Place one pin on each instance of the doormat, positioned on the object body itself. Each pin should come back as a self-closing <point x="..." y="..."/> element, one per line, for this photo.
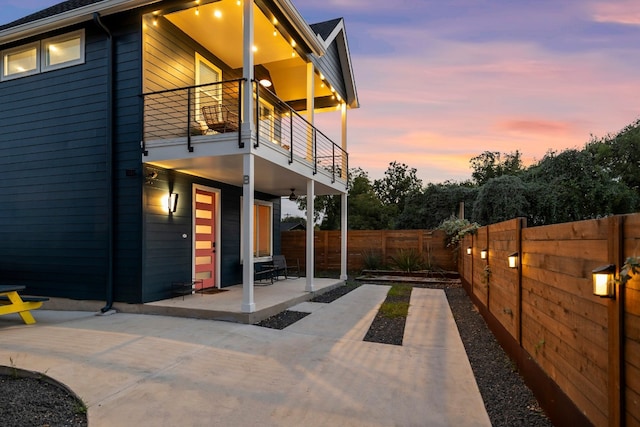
<point x="211" y="291"/>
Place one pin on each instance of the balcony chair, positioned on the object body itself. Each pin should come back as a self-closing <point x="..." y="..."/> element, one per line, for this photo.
<point x="219" y="118"/>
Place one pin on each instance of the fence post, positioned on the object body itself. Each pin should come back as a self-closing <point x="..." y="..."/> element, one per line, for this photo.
<point x="615" y="311"/>
<point x="519" y="225"/>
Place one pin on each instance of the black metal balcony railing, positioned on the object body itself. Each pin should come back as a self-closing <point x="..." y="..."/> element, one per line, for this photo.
<point x="216" y="108"/>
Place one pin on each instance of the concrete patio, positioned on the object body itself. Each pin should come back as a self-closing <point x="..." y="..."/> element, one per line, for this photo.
<point x="150" y="370"/>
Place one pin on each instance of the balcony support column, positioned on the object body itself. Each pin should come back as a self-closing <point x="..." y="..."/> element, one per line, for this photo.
<point x="248" y="186"/>
<point x="343" y="110"/>
<point x="343" y="237"/>
<point x="248" y="121"/>
<point x="310" y="286"/>
<point x="310" y="107"/>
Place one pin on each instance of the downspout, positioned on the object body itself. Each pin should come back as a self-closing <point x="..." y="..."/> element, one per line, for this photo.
<point x="109" y="163"/>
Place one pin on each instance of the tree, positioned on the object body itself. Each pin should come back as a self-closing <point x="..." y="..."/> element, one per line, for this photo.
<point x="573" y="185"/>
<point x="620" y="155"/>
<point x="490" y="165"/>
<point x="365" y="210"/>
<point x="500" y="199"/>
<point x="399" y="183"/>
<point x="436" y="203"/>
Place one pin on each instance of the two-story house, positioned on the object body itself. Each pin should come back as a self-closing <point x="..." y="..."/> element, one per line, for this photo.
<point x="146" y="142"/>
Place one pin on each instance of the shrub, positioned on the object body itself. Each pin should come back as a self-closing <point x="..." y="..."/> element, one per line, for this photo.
<point x="372" y="260"/>
<point x="456" y="229"/>
<point x="408" y="260"/>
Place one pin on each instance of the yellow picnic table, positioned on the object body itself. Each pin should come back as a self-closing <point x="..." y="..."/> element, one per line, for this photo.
<point x="11" y="302"/>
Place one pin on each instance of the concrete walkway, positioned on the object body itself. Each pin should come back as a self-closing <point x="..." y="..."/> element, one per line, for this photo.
<point x="144" y="370"/>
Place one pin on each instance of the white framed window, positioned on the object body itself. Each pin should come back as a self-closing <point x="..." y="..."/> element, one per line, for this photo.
<point x="206" y="73"/>
<point x="266" y="117"/>
<point x="262" y="231"/>
<point x="63" y="51"/>
<point x="21" y="61"/>
<point x="49" y="54"/>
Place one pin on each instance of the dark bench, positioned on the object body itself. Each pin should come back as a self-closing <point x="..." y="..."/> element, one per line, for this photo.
<point x="263" y="272"/>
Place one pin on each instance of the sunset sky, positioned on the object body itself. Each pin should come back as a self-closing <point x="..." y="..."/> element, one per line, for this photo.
<point x="442" y="81"/>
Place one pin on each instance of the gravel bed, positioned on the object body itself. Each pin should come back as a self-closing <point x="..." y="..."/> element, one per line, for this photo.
<point x="32" y="402"/>
<point x="26" y="402"/>
<point x="509" y="402"/>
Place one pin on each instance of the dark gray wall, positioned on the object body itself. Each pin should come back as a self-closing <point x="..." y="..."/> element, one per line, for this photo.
<point x="330" y="66"/>
<point x="167" y="255"/>
<point x="53" y="229"/>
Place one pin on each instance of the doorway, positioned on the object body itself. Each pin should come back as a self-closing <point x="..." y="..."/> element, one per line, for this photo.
<point x="206" y="232"/>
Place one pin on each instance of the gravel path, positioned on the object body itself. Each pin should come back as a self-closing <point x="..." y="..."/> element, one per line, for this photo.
<point x="33" y="402"/>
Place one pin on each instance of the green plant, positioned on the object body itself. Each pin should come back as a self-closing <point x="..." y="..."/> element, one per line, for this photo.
<point x="630" y="266"/>
<point x="80" y="407"/>
<point x="456" y="228"/>
<point x="14" y="370"/>
<point x="486" y="274"/>
<point x="408" y="260"/>
<point x="397" y="302"/>
<point x="372" y="260"/>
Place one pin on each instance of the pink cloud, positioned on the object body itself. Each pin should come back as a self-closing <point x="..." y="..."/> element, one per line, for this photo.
<point x="621" y="12"/>
<point x="535" y="126"/>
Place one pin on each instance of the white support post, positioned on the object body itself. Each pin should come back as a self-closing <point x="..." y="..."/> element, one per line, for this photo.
<point x="343" y="110"/>
<point x="247" y="69"/>
<point x="310" y="105"/>
<point x="343" y="237"/>
<point x="310" y="286"/>
<point x="248" y="305"/>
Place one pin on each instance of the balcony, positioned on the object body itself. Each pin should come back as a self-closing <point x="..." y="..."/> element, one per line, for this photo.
<point x="185" y="124"/>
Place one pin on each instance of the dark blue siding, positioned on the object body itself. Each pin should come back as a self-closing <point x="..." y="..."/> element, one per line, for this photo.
<point x="52" y="156"/>
<point x="167" y="255"/>
<point x="127" y="134"/>
<point x="330" y="66"/>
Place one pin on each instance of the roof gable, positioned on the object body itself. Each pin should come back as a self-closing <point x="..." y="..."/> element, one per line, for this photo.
<point x="333" y="32"/>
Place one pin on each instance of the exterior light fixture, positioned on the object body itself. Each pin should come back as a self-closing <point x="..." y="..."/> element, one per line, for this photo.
<point x="483" y="253"/>
<point x="293" y="196"/>
<point x="469" y="250"/>
<point x="513" y="260"/>
<point x="172" y="202"/>
<point x="265" y="83"/>
<point x="604" y="281"/>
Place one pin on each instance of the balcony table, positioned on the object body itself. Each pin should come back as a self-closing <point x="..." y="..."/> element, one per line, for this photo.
<point x="11" y="302"/>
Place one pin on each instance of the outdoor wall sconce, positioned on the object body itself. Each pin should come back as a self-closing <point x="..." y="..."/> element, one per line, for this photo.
<point x="483" y="253"/>
<point x="172" y="202"/>
<point x="469" y="250"/>
<point x="513" y="260"/>
<point x="604" y="281"/>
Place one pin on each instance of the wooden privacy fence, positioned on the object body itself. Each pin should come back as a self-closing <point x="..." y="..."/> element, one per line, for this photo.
<point x="385" y="243"/>
<point x="579" y="353"/>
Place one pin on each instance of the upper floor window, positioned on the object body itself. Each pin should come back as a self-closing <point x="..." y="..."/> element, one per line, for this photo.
<point x="45" y="55"/>
<point x="63" y="51"/>
<point x="21" y="61"/>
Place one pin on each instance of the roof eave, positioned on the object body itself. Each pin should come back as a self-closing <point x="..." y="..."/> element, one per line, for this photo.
<point x="71" y="17"/>
<point x="315" y="44"/>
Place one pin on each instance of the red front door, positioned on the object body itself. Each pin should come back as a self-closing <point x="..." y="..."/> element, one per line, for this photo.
<point x="205" y="238"/>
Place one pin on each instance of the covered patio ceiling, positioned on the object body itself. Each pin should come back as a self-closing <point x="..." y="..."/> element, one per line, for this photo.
<point x="217" y="26"/>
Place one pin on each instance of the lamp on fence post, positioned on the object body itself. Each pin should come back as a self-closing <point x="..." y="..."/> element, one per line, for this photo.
<point x="469" y="250"/>
<point x="604" y="281"/>
<point x="483" y="253"/>
<point x="513" y="260"/>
